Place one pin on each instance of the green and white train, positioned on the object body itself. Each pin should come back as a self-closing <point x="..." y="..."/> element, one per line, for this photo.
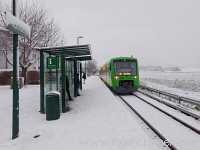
<point x="121" y="74"/>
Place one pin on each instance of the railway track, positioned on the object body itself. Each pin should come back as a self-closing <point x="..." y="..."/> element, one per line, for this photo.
<point x="161" y="136"/>
<point x="170" y="115"/>
<point x="176" y="107"/>
<point x="174" y="131"/>
<point x="177" y="98"/>
<point x="163" y="123"/>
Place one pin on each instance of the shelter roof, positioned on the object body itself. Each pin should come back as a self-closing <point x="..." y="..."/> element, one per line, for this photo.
<point x="76" y="52"/>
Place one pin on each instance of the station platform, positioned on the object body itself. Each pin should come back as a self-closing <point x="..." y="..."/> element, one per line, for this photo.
<point x="97" y="121"/>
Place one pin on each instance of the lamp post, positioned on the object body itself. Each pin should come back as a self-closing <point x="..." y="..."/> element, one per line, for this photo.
<point x="78" y="75"/>
<point x="15" y="120"/>
<point x="77" y="39"/>
<point x="77" y="42"/>
<point x="17" y="27"/>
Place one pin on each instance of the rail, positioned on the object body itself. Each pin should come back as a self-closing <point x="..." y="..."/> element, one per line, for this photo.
<point x="159" y="134"/>
<point x="172" y="96"/>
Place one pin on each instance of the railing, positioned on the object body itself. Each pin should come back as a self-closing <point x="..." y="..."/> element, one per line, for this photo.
<point x="172" y="96"/>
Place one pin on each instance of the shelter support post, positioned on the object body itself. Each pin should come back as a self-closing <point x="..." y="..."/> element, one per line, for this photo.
<point x="81" y="76"/>
<point x="42" y="82"/>
<point x="65" y="105"/>
<point x="85" y="68"/>
<point x="75" y="79"/>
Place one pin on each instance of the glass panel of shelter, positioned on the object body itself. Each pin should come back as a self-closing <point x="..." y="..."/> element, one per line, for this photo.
<point x="53" y="79"/>
<point x="70" y="74"/>
<point x="71" y="66"/>
<point x="51" y="76"/>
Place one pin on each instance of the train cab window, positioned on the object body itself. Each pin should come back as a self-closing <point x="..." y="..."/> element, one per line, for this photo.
<point x="126" y="67"/>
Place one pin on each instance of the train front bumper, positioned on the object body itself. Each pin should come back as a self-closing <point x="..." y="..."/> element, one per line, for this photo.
<point x="125" y="86"/>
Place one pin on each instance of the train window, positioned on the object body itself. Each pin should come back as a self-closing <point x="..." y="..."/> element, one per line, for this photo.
<point x="126" y="67"/>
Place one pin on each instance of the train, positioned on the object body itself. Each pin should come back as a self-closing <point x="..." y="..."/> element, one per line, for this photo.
<point x="121" y="74"/>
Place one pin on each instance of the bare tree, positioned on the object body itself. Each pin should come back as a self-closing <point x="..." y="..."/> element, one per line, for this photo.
<point x="5" y="47"/>
<point x="44" y="32"/>
<point x="92" y="67"/>
<point x="5" y="40"/>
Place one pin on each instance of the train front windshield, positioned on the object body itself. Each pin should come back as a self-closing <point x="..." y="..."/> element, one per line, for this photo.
<point x="126" y="67"/>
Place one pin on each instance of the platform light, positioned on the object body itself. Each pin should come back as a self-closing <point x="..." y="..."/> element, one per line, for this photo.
<point x="16" y="25"/>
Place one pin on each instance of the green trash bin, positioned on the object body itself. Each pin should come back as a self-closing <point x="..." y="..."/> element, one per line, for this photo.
<point x="52" y="105"/>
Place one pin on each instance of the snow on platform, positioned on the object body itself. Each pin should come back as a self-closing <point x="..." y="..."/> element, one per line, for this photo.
<point x="96" y="121"/>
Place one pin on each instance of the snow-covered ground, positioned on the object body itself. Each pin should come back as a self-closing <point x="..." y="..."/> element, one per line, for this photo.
<point x="185" y="82"/>
<point x="97" y="121"/>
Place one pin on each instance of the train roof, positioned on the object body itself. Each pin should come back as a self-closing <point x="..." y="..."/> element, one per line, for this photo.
<point x="120" y="58"/>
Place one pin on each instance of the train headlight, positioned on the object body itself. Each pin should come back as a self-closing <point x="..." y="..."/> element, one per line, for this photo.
<point x="116" y="77"/>
<point x="135" y="77"/>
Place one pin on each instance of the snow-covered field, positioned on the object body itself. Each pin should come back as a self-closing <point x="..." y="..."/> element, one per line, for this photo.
<point x="96" y="121"/>
<point x="186" y="82"/>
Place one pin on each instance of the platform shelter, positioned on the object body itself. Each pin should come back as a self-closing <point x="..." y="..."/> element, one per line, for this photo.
<point x="55" y="64"/>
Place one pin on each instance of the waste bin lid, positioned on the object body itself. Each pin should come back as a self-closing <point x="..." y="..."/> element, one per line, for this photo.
<point x="53" y="93"/>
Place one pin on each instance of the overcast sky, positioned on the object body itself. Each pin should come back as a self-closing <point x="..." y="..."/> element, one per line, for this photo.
<point x="157" y="32"/>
